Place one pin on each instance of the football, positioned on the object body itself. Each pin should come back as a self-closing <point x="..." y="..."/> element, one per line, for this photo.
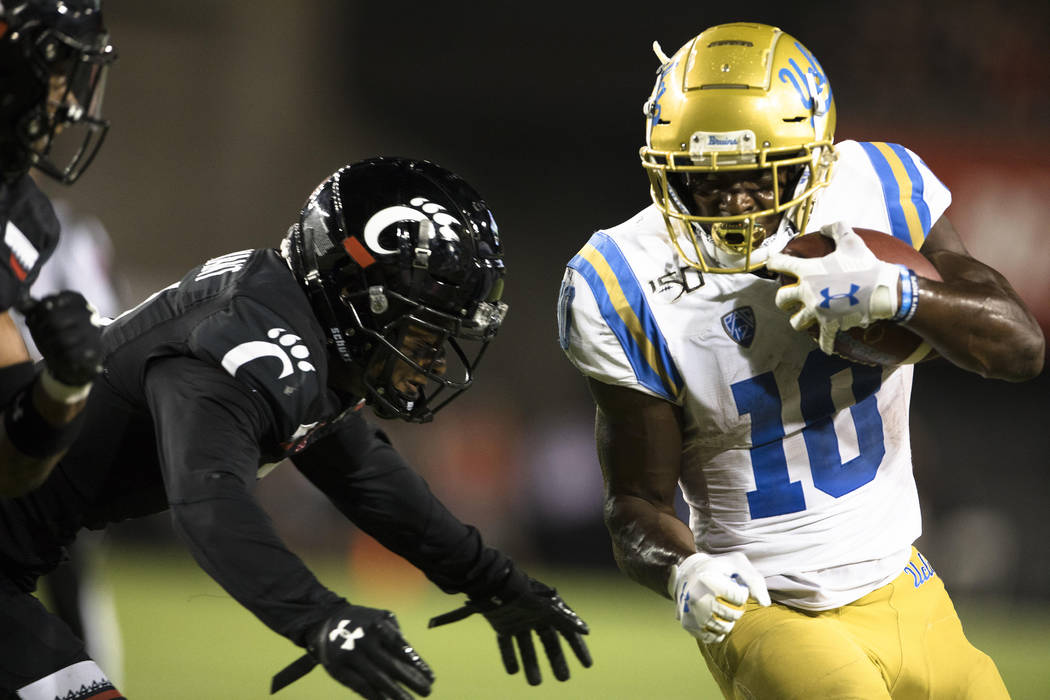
<point x="882" y="343"/>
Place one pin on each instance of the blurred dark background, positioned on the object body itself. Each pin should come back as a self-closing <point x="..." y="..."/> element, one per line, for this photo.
<point x="226" y="114"/>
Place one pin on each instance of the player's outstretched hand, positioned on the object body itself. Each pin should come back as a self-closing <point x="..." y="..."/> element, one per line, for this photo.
<point x="68" y="332"/>
<point x="846" y="288"/>
<point x="523" y="606"/>
<point x="709" y="593"/>
<point x="363" y="649"/>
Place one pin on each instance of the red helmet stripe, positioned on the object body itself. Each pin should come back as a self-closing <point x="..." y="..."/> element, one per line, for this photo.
<point x="358" y="252"/>
<point x="19" y="271"/>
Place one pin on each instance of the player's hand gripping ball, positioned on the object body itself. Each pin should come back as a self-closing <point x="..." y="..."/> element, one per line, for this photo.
<point x="841" y="285"/>
<point x="709" y="593"/>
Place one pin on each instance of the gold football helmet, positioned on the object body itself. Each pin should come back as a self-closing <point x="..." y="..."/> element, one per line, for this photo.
<point x="738" y="102"/>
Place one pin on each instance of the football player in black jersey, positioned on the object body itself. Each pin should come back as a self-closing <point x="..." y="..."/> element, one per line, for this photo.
<point x="54" y="55"/>
<point x="386" y="291"/>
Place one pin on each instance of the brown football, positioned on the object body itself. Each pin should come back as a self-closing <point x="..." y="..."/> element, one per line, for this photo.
<point x="882" y="343"/>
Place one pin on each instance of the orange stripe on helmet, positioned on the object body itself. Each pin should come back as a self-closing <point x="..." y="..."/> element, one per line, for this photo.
<point x="358" y="252"/>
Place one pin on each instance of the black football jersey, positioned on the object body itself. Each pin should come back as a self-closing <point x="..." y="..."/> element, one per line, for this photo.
<point x="29" y="231"/>
<point x="205" y="384"/>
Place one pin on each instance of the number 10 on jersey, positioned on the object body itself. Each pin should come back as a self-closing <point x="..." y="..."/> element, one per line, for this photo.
<point x="775" y="493"/>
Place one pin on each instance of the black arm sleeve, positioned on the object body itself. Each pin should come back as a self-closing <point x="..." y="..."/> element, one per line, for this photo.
<point x="208" y="429"/>
<point x="12" y="379"/>
<point x="370" y="483"/>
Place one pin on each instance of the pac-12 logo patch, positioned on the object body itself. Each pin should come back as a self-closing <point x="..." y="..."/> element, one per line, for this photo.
<point x="739" y="324"/>
<point x="255" y="349"/>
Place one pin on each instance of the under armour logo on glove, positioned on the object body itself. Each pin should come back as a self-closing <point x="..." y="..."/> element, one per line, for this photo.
<point x="373" y="659"/>
<point x="873" y="284"/>
<point x="341" y="631"/>
<point x="828" y="296"/>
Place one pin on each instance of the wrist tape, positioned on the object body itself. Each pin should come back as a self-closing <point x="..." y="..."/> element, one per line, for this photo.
<point x="909" y="296"/>
<point x="31" y="433"/>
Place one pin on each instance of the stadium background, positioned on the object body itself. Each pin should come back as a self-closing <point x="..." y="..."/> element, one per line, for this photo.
<point x="226" y="114"/>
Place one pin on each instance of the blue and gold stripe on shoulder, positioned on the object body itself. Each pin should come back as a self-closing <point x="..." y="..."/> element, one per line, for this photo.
<point x="625" y="309"/>
<point x="902" y="188"/>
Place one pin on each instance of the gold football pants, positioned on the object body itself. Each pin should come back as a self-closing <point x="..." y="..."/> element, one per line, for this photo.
<point x="901" y="641"/>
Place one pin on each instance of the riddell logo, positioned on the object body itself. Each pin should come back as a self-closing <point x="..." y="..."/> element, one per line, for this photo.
<point x="287" y="344"/>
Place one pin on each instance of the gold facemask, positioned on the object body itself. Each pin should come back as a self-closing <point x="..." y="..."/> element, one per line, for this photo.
<point x="737" y="98"/>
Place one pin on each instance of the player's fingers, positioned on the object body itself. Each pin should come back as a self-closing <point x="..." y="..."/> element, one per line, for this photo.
<point x="788" y="296"/>
<point x="579" y="647"/>
<point x="756" y="585"/>
<point x="803" y="319"/>
<point x="710" y="637"/>
<point x="718" y="625"/>
<point x="836" y="231"/>
<point x="552" y="646"/>
<point x="506" y="652"/>
<point x="727" y="612"/>
<point x="408" y="668"/>
<point x="528" y="658"/>
<point x="783" y="263"/>
<point x="828" y="331"/>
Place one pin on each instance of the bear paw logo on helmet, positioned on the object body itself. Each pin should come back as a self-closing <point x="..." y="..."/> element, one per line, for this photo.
<point x="434" y="221"/>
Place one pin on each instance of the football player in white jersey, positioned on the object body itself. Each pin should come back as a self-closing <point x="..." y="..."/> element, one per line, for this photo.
<point x="796" y="574"/>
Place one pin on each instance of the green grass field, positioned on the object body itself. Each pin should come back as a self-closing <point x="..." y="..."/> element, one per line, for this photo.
<point x="185" y="638"/>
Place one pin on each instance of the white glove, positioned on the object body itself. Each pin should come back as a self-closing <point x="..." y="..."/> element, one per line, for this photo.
<point x="846" y="288"/>
<point x="709" y="593"/>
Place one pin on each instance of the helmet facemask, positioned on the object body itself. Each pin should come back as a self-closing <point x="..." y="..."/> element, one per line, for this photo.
<point x="740" y="103"/>
<point x="781" y="185"/>
<point x="420" y="359"/>
<point x="57" y="85"/>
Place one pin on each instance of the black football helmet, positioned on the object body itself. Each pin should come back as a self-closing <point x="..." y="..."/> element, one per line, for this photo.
<point x="54" y="56"/>
<point x="402" y="263"/>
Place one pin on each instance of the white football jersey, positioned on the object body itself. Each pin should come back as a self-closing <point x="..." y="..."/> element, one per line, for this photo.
<point x="800" y="460"/>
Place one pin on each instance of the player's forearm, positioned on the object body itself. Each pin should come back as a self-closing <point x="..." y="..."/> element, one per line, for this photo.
<point x="976" y="320"/>
<point x="233" y="541"/>
<point x="21" y="473"/>
<point x="647" y="541"/>
<point x="35" y="432"/>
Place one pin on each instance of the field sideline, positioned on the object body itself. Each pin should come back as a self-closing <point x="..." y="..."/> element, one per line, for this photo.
<point x="185" y="638"/>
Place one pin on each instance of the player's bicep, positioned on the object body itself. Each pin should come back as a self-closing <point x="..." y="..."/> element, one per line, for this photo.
<point x="208" y="429"/>
<point x="945" y="249"/>
<point x="639" y="440"/>
<point x="612" y="342"/>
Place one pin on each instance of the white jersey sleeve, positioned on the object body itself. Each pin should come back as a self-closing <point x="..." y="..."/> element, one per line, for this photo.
<point x="606" y="325"/>
<point x="911" y="201"/>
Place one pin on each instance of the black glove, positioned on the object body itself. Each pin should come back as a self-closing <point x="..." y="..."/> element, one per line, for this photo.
<point x="523" y="606"/>
<point x="66" y="330"/>
<point x="363" y="649"/>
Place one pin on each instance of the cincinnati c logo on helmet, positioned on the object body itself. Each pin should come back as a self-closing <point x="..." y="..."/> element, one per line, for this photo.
<point x="434" y="221"/>
<point x="254" y="349"/>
